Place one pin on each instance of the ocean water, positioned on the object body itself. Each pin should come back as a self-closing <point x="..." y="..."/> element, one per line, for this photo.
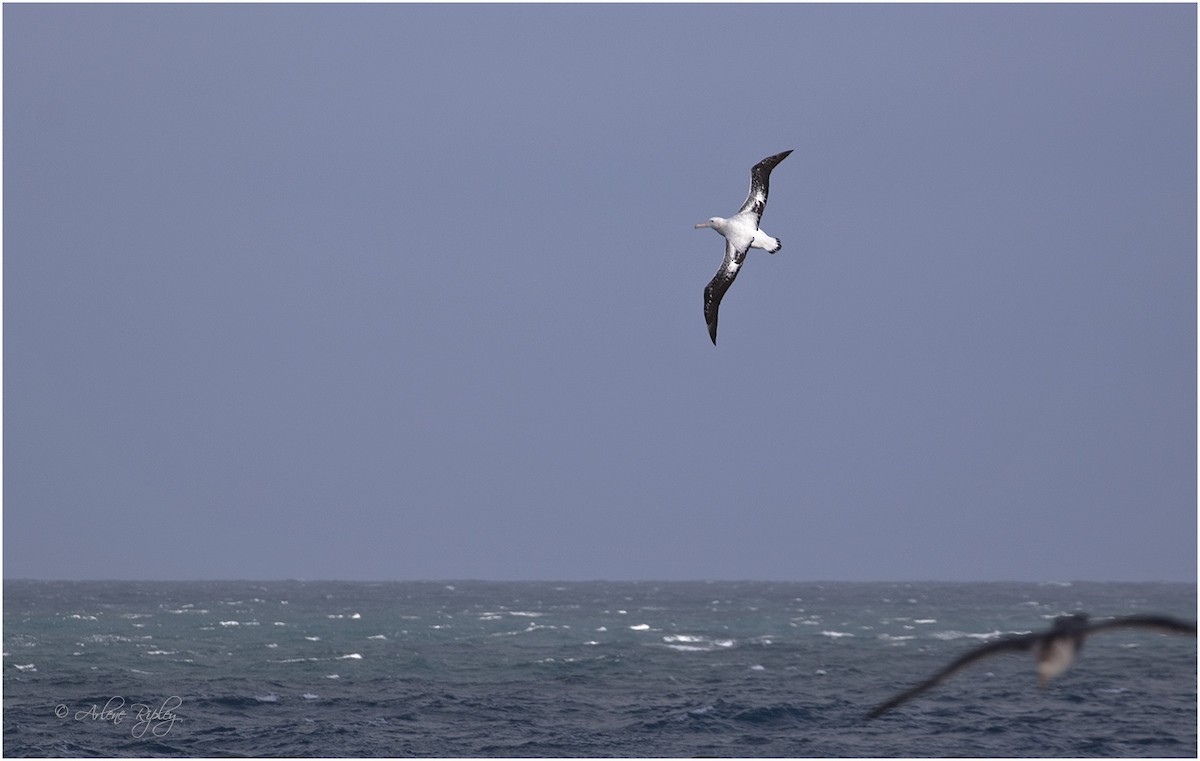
<point x="592" y="669"/>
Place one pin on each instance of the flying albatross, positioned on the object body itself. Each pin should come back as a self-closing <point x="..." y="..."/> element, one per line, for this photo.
<point x="741" y="234"/>
<point x="1055" y="648"/>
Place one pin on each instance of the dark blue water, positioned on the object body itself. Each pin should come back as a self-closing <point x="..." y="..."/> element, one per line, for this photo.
<point x="469" y="669"/>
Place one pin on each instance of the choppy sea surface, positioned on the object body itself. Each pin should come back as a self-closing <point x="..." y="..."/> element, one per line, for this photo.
<point x="592" y="669"/>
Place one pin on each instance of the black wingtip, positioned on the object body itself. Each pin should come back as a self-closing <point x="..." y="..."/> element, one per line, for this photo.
<point x="712" y="333"/>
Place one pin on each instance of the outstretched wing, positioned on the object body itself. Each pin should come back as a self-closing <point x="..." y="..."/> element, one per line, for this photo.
<point x="760" y="183"/>
<point x="1161" y="623"/>
<point x="1013" y="643"/>
<point x="719" y="284"/>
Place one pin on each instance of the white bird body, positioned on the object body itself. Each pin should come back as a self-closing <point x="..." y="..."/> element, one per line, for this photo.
<point x="741" y="232"/>
<point x="1055" y="656"/>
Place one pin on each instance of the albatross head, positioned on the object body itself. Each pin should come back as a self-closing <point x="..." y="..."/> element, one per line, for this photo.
<point x="713" y="222"/>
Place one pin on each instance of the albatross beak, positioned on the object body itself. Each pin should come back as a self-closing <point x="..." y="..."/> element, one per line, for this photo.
<point x="702" y="224"/>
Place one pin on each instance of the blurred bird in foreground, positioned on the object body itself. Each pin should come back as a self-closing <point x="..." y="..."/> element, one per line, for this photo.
<point x="1054" y="649"/>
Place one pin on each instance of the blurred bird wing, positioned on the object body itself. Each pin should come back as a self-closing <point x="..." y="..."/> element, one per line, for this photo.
<point x="1165" y="624"/>
<point x="1012" y="643"/>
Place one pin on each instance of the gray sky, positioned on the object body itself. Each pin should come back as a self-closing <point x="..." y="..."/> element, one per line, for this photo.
<point x="412" y="292"/>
